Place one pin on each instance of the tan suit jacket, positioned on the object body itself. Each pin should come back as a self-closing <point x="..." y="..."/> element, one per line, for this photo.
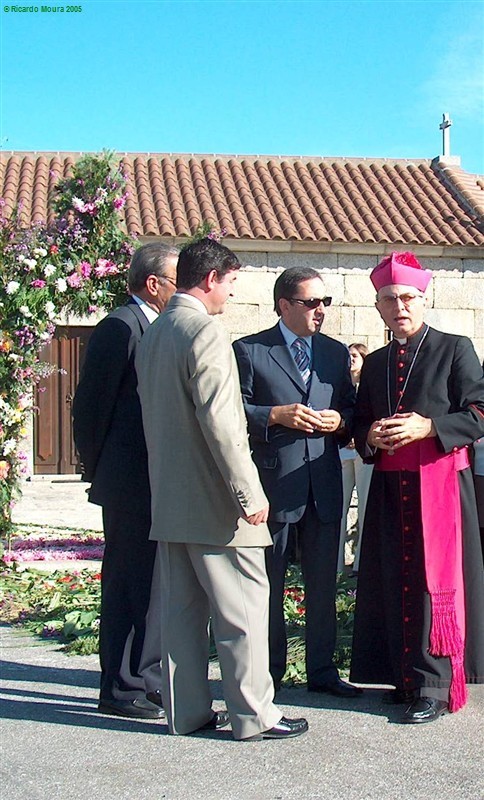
<point x="212" y="563"/>
<point x="186" y="357"/>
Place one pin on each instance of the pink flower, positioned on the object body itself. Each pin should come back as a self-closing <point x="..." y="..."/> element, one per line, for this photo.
<point x="38" y="283"/>
<point x="85" y="268"/>
<point x="74" y="280"/>
<point x="119" y="202"/>
<point x="92" y="310"/>
<point x="105" y="267"/>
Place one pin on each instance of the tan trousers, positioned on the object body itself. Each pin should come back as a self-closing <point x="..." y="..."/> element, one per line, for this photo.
<point x="229" y="585"/>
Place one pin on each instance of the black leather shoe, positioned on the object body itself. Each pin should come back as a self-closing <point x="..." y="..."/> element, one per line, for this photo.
<point x="155" y="698"/>
<point x="285" y="729"/>
<point x="135" y="709"/>
<point x="396" y="697"/>
<point x="424" y="709"/>
<point x="220" y="719"/>
<point x="336" y="687"/>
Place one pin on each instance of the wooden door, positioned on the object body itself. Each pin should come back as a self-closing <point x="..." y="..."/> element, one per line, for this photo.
<point x="54" y="450"/>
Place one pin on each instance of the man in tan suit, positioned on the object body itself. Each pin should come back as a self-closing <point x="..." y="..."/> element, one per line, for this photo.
<point x="209" y="510"/>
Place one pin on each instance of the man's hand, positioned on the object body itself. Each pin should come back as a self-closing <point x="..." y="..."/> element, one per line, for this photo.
<point x="391" y="433"/>
<point x="330" y="420"/>
<point x="302" y="418"/>
<point x="258" y="517"/>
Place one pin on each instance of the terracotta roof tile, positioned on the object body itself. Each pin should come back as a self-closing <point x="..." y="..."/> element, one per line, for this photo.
<point x="274" y="197"/>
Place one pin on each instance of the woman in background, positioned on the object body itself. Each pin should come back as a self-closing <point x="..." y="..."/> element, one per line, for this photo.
<point x="355" y="472"/>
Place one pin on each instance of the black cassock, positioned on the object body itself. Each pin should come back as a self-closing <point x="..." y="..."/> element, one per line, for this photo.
<point x="392" y="619"/>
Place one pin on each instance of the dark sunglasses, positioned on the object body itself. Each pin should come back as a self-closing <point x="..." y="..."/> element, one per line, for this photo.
<point x="312" y="302"/>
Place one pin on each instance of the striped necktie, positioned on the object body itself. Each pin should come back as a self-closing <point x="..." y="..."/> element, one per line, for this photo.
<point x="302" y="359"/>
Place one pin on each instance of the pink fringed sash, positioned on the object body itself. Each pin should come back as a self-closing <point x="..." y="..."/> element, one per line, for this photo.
<point x="442" y="536"/>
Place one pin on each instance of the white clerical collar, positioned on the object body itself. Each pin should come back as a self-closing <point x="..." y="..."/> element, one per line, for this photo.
<point x="149" y="312"/>
<point x="400" y="341"/>
<point x="290" y="337"/>
<point x="195" y="300"/>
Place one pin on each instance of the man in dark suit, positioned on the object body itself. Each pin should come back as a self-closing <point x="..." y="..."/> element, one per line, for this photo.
<point x="109" y="436"/>
<point x="299" y="401"/>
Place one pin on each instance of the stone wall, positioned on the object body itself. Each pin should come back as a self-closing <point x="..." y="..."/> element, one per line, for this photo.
<point x="456" y="296"/>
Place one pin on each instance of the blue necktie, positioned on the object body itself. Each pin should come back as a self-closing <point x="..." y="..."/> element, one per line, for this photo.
<point x="302" y="359"/>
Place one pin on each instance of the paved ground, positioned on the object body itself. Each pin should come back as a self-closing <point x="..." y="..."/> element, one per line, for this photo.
<point x="56" y="745"/>
<point x="59" y="501"/>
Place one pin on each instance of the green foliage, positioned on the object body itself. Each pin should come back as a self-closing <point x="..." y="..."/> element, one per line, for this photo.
<point x="78" y="265"/>
<point x="66" y="606"/>
<point x="54" y="605"/>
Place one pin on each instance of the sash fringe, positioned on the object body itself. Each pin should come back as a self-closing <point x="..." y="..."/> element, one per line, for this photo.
<point x="446" y="640"/>
<point x="458" y="690"/>
<point x="445" y="637"/>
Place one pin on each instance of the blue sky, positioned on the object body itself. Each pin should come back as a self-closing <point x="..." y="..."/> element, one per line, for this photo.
<point x="326" y="78"/>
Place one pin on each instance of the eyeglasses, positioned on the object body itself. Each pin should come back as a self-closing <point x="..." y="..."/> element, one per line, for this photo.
<point x="391" y="299"/>
<point x="166" y="278"/>
<point x="312" y="302"/>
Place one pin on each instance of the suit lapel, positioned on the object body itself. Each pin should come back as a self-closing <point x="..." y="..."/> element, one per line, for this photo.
<point x="280" y="353"/>
<point x="140" y="316"/>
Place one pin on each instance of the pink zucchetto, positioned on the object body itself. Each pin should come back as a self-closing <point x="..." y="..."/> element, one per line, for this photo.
<point x="402" y="269"/>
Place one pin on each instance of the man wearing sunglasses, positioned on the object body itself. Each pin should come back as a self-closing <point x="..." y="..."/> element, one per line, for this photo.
<point x="299" y="400"/>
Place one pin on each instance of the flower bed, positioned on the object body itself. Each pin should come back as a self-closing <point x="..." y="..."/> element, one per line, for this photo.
<point x="66" y="605"/>
<point x="30" y="543"/>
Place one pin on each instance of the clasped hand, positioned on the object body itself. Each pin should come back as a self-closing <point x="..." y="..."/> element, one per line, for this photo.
<point x="390" y="433"/>
<point x="303" y="418"/>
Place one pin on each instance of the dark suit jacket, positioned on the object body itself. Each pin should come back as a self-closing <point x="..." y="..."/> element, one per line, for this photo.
<point x="289" y="461"/>
<point x="108" y="428"/>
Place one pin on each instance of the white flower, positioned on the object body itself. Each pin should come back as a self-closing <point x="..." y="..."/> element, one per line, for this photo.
<point x="46" y="337"/>
<point x="30" y="263"/>
<point x="25" y="310"/>
<point x="50" y="309"/>
<point x="61" y="285"/>
<point x="12" y="287"/>
<point x="70" y="265"/>
<point x="21" y="257"/>
<point x="14" y="356"/>
<point x="99" y="293"/>
<point x="9" y="446"/>
<point x="39" y="251"/>
<point x="78" y="204"/>
<point x="49" y="270"/>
